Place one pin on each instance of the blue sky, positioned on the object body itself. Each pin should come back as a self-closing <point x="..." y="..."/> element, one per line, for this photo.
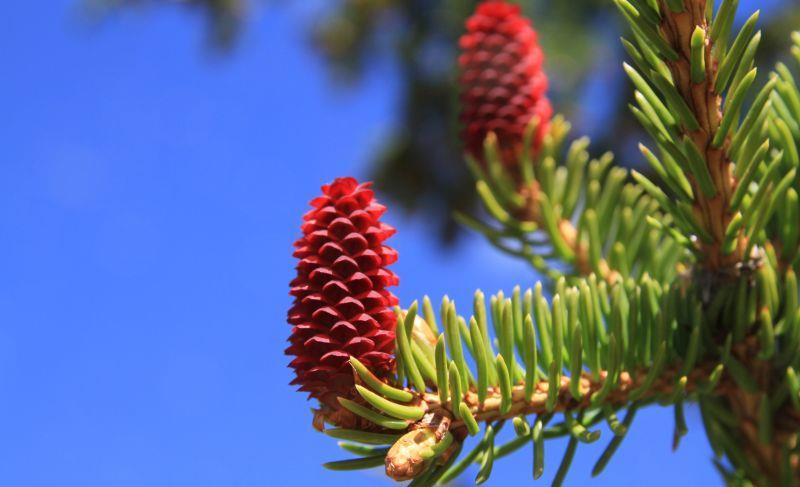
<point x="149" y="196"/>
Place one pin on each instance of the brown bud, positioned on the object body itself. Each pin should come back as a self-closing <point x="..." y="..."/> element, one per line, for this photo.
<point x="404" y="460"/>
<point x="423" y="331"/>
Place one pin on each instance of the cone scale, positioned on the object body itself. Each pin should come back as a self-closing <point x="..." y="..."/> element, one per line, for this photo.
<point x="503" y="86"/>
<point x="341" y="301"/>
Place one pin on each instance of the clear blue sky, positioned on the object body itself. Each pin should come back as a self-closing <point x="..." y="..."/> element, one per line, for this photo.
<point x="149" y="196"/>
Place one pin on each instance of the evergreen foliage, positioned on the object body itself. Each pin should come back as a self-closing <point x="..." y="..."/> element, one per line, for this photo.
<point x="678" y="288"/>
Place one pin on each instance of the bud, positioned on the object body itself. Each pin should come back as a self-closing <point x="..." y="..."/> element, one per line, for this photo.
<point x="430" y="440"/>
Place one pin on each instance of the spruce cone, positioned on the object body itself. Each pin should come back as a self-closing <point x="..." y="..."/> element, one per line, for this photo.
<point x="503" y="86"/>
<point x="342" y="306"/>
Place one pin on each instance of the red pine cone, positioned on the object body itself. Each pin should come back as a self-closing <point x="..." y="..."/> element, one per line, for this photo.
<point x="502" y="82"/>
<point x="342" y="306"/>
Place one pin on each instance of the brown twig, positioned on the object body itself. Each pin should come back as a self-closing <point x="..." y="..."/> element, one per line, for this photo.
<point x="714" y="213"/>
<point x="404" y="463"/>
<point x="489" y="410"/>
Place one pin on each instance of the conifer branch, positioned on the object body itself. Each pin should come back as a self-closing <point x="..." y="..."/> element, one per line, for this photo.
<point x="581" y="212"/>
<point x="710" y="123"/>
<point x="626" y="386"/>
<point x="683" y="291"/>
